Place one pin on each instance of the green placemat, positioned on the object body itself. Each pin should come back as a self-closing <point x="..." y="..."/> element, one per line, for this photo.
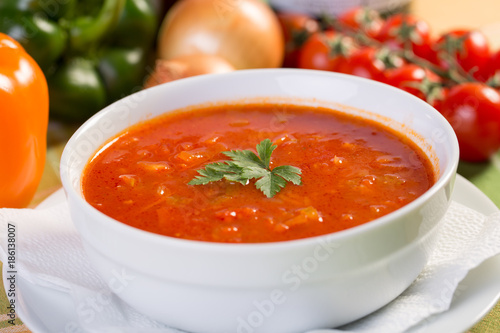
<point x="486" y="176"/>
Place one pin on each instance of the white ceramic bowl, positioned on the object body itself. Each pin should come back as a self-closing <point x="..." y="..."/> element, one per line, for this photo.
<point x="280" y="287"/>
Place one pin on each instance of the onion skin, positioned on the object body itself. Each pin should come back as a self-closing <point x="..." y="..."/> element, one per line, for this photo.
<point x="186" y="66"/>
<point x="244" y="32"/>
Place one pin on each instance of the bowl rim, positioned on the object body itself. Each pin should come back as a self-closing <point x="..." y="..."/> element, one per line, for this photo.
<point x="446" y="176"/>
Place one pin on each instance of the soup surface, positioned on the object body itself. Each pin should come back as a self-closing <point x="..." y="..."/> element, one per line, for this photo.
<point x="353" y="171"/>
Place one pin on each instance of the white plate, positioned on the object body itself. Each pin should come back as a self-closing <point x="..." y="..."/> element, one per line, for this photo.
<point x="46" y="310"/>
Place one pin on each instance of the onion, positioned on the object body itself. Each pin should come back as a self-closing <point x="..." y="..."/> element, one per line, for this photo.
<point x="244" y="32"/>
<point x="185" y="66"/>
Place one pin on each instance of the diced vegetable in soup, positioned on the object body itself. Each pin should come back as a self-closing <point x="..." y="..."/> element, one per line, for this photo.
<point x="352" y="170"/>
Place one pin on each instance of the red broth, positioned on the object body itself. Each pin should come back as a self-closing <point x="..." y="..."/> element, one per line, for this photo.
<point x="353" y="171"/>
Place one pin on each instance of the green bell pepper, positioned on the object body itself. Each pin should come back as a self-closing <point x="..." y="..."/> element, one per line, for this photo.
<point x="92" y="52"/>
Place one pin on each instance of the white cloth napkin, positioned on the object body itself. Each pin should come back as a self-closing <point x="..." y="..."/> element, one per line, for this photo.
<point x="50" y="254"/>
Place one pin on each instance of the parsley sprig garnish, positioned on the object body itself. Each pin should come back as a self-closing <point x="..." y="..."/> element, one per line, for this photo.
<point x="245" y="165"/>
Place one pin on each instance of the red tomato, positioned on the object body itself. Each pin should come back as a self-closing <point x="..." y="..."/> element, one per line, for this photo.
<point x="492" y="67"/>
<point x="473" y="109"/>
<point x="414" y="79"/>
<point x="364" y="19"/>
<point x="296" y="30"/>
<point x="402" y="28"/>
<point x="326" y="51"/>
<point x="438" y="101"/>
<point x="470" y="49"/>
<point x="369" y="63"/>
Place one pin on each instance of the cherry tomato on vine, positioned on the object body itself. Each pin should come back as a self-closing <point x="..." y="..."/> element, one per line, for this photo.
<point x="416" y="80"/>
<point x="473" y="110"/>
<point x="326" y="51"/>
<point x="370" y="63"/>
<point x="297" y="28"/>
<point x="364" y="19"/>
<point x="492" y="68"/>
<point x="469" y="48"/>
<point x="400" y="29"/>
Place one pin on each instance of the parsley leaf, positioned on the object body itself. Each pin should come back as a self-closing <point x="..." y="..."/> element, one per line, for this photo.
<point x="270" y="184"/>
<point x="246" y="165"/>
<point x="216" y="171"/>
<point x="289" y="173"/>
<point x="265" y="149"/>
<point x="244" y="158"/>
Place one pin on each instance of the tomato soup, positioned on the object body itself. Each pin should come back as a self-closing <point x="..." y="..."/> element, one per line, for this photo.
<point x="353" y="171"/>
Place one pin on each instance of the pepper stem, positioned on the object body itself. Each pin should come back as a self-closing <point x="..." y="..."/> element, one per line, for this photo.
<point x="85" y="31"/>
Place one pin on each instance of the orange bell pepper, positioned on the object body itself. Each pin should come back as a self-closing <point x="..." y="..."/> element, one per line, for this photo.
<point x="24" y="113"/>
